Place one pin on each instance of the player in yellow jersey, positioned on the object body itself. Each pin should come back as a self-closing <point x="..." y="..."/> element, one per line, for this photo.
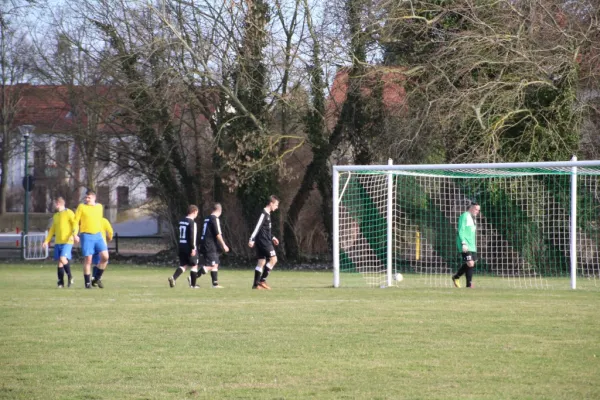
<point x="63" y="222"/>
<point x="88" y="223"/>
<point x="107" y="234"/>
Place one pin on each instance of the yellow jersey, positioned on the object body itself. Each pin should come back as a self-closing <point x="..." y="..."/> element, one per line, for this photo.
<point x="107" y="230"/>
<point x="88" y="219"/>
<point x="63" y="223"/>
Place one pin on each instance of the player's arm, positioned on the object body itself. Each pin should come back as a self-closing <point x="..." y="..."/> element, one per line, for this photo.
<point x="256" y="230"/>
<point x="76" y="221"/>
<point x="108" y="229"/>
<point x="216" y="226"/>
<point x="71" y="222"/>
<point x="49" y="236"/>
<point x="193" y="237"/>
<point x="222" y="243"/>
<point x="462" y="233"/>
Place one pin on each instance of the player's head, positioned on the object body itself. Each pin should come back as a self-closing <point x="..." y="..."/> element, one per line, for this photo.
<point x="273" y="202"/>
<point x="192" y="211"/>
<point x="217" y="209"/>
<point x="474" y="208"/>
<point x="59" y="203"/>
<point x="90" y="197"/>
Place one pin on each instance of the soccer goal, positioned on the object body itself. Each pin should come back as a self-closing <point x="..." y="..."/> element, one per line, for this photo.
<point x="539" y="224"/>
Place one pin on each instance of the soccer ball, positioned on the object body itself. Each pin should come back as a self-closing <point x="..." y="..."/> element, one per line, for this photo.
<point x="398" y="277"/>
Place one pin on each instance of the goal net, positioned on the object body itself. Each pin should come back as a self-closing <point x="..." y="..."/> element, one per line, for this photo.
<point x="539" y="224"/>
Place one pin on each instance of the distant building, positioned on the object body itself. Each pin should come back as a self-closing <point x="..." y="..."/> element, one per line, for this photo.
<point x="390" y="82"/>
<point x="64" y="119"/>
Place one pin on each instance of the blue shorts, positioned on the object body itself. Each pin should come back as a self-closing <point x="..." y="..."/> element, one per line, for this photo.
<point x="92" y="243"/>
<point x="62" y="250"/>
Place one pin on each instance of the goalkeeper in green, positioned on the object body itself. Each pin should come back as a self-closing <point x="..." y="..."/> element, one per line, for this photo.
<point x="467" y="244"/>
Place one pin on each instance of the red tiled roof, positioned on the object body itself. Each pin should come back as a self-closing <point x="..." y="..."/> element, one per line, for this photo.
<point x="53" y="108"/>
<point x="393" y="92"/>
<point x="60" y="109"/>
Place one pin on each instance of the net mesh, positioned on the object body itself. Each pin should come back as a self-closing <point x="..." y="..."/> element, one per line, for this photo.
<point x="363" y="225"/>
<point x="523" y="230"/>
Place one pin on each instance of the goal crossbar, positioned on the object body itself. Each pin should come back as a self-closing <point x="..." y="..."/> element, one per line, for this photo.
<point x="559" y="165"/>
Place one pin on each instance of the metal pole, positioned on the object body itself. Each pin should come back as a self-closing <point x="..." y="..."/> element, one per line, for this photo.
<point x="390" y="223"/>
<point x="26" y="210"/>
<point x="336" y="229"/>
<point x="573" y="227"/>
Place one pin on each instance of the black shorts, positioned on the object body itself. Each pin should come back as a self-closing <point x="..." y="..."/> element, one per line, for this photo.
<point x="264" y="250"/>
<point x="468" y="256"/>
<point x="210" y="259"/>
<point x="186" y="258"/>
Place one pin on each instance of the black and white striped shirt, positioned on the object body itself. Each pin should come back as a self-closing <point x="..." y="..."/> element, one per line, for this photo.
<point x="187" y="234"/>
<point x="262" y="231"/>
<point x="210" y="230"/>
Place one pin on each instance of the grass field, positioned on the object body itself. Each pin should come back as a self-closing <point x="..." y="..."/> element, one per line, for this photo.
<point x="139" y="339"/>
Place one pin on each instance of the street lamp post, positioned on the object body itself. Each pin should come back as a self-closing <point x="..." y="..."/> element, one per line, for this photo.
<point x="26" y="131"/>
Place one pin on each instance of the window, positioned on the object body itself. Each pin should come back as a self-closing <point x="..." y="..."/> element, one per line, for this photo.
<point x="39" y="199"/>
<point x="122" y="159"/>
<point x="103" y="196"/>
<point x="62" y="158"/>
<point x="151" y="193"/>
<point x="62" y="153"/>
<point x="39" y="163"/>
<point x="103" y="156"/>
<point x="122" y="197"/>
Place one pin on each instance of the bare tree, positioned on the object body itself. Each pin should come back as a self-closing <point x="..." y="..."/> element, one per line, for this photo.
<point x="240" y="57"/>
<point x="15" y="60"/>
<point x="493" y="81"/>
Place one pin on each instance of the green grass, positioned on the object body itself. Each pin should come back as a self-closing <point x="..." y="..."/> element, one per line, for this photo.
<point x="139" y="339"/>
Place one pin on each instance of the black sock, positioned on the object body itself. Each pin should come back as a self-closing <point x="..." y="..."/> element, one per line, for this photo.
<point x="86" y="279"/>
<point x="67" y="268"/>
<point x="99" y="273"/>
<point x="201" y="271"/>
<point x="178" y="272"/>
<point x="469" y="276"/>
<point x="265" y="274"/>
<point x="61" y="275"/>
<point x="194" y="277"/>
<point x="94" y="271"/>
<point x="257" y="275"/>
<point x="461" y="271"/>
<point x="213" y="275"/>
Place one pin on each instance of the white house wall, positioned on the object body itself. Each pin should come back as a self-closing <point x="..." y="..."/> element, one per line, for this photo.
<point x="137" y="185"/>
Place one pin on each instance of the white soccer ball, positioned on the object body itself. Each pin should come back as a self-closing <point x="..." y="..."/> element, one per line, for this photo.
<point x="398" y="277"/>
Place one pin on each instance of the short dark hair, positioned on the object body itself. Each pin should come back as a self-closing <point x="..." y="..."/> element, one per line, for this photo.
<point x="90" y="192"/>
<point x="192" y="209"/>
<point x="273" y="199"/>
<point x="473" y="203"/>
<point x="216" y="206"/>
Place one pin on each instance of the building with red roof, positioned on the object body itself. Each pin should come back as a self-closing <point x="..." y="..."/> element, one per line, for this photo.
<point x="60" y="115"/>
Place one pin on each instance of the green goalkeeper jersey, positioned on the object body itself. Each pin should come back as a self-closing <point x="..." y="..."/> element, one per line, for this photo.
<point x="466" y="232"/>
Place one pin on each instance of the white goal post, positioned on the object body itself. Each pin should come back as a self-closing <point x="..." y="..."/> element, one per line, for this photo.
<point x="539" y="224"/>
